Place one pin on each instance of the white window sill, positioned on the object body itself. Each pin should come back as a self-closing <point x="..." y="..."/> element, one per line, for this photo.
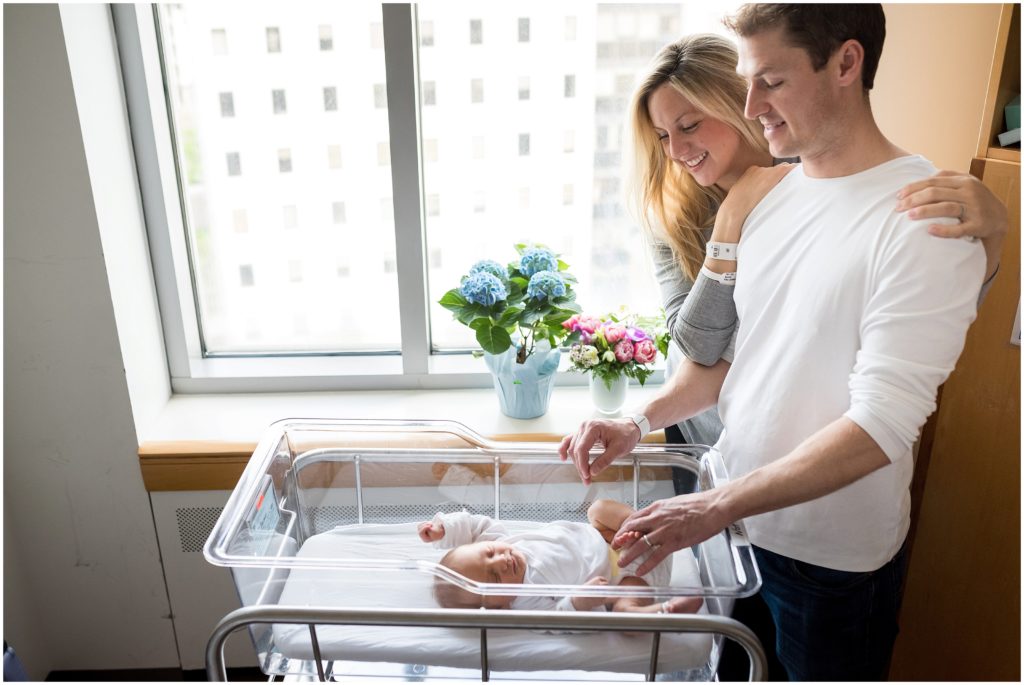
<point x="242" y="418"/>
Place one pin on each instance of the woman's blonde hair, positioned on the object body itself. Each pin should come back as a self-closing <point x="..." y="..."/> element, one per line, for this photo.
<point x="669" y="202"/>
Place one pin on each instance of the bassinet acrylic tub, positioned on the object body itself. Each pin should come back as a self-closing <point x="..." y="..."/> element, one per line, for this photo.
<point x="319" y="535"/>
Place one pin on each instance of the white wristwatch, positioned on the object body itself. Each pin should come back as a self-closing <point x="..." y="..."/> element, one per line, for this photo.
<point x="642" y="423"/>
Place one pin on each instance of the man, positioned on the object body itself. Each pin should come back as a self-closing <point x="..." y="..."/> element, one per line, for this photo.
<point x="851" y="317"/>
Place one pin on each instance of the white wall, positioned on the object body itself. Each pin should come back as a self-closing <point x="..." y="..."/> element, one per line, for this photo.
<point x="80" y="546"/>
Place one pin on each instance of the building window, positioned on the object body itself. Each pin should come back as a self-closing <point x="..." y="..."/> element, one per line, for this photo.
<point x="390" y="266"/>
<point x="284" y="160"/>
<point x="570" y="85"/>
<point x="234" y="164"/>
<point x="330" y="99"/>
<point x="524" y="198"/>
<point x="387" y="209"/>
<point x="326" y="37"/>
<point x="280" y="106"/>
<point x="426" y="33"/>
<point x="380" y="95"/>
<point x="478" y="147"/>
<point x="338" y="211"/>
<point x="524" y="30"/>
<point x="433" y="205"/>
<point x="383" y="154"/>
<point x="478" y="202"/>
<point x="524" y="144"/>
<point x="430" y="150"/>
<point x="569" y="141"/>
<point x="295" y="270"/>
<point x="476" y="31"/>
<point x="570" y="28"/>
<point x="241" y="221"/>
<point x="377" y="35"/>
<point x="567" y="194"/>
<point x="333" y="156"/>
<point x="524" y="87"/>
<point x="220" y="41"/>
<point x="245" y="276"/>
<point x="227" y="105"/>
<point x="476" y="90"/>
<point x="429" y="91"/>
<point x="273" y="39"/>
<point x="344" y="271"/>
<point x="290" y="216"/>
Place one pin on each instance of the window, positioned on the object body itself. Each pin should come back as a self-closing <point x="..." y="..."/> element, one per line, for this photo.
<point x="426" y="33"/>
<point x="524" y="144"/>
<point x="220" y="41"/>
<point x="509" y="174"/>
<point x="430" y="150"/>
<point x="280" y="106"/>
<point x="291" y="216"/>
<point x="234" y="164"/>
<point x="326" y="37"/>
<point x="330" y="99"/>
<point x="227" y="105"/>
<point x="333" y="156"/>
<point x="273" y="39"/>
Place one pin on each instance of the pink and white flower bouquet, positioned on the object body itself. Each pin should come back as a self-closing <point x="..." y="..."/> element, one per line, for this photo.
<point x="610" y="347"/>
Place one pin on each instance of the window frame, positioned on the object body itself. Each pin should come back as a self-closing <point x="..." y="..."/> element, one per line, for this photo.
<point x="415" y="364"/>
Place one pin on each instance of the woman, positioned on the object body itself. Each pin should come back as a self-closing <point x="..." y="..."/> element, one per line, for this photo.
<point x="697" y="158"/>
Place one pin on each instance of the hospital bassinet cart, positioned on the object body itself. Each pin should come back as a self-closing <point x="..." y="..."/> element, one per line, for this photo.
<point x="320" y="536"/>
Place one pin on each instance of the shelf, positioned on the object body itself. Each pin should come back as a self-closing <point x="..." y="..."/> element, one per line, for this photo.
<point x="1005" y="154"/>
<point x="1003" y="86"/>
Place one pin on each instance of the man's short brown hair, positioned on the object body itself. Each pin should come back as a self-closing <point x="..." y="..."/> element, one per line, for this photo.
<point x="819" y="29"/>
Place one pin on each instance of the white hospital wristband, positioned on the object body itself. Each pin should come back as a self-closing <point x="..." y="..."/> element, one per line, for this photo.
<point x="723" y="251"/>
<point x="728" y="278"/>
<point x="642" y="423"/>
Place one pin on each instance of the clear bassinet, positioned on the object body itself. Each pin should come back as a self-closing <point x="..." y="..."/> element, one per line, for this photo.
<point x="320" y="538"/>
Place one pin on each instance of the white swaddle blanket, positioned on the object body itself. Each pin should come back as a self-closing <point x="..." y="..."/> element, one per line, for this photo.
<point x="509" y="650"/>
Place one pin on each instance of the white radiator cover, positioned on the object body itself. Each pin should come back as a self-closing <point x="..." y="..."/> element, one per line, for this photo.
<point x="200" y="593"/>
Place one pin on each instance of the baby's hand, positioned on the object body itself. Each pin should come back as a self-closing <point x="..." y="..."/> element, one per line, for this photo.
<point x="591" y="603"/>
<point x="430" y="532"/>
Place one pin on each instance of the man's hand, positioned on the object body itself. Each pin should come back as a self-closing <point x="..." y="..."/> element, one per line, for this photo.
<point x="619" y="437"/>
<point x="590" y="603"/>
<point x="669" y="525"/>
<point x="430" y="532"/>
<point x="957" y="196"/>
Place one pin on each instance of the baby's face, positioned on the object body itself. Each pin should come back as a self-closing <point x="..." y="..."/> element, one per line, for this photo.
<point x="489" y="562"/>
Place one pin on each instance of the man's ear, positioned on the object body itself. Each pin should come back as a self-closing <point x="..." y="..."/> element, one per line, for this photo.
<point x="849" y="63"/>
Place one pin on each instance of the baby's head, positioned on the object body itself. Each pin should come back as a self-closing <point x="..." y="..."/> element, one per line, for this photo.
<point x="483" y="562"/>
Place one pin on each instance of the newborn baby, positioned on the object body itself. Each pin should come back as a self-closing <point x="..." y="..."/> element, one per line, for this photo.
<point x="558" y="553"/>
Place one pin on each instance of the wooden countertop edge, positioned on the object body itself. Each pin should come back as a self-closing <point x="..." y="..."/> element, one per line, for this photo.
<point x="187" y="465"/>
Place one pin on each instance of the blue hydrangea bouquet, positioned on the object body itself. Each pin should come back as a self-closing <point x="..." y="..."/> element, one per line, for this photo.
<point x="528" y="298"/>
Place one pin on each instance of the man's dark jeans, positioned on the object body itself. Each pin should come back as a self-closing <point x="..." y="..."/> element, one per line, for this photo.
<point x="823" y="624"/>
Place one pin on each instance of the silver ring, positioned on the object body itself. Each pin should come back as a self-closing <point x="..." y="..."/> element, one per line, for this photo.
<point x="963" y="209"/>
<point x="650" y="544"/>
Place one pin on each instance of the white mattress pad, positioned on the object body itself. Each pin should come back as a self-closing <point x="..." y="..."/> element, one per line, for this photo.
<point x="508" y="650"/>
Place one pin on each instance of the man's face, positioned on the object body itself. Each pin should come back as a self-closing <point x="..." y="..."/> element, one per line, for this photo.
<point x="794" y="103"/>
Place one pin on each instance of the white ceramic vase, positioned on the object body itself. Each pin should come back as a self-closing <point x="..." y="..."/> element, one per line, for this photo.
<point x="608" y="400"/>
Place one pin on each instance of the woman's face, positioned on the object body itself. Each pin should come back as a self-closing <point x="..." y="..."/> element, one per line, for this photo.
<point x="706" y="147"/>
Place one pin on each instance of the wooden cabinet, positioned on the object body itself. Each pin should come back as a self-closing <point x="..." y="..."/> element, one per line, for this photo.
<point x="961" y="610"/>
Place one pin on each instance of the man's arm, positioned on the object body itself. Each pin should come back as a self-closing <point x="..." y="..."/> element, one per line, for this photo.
<point x="692" y="389"/>
<point x="837" y="455"/>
